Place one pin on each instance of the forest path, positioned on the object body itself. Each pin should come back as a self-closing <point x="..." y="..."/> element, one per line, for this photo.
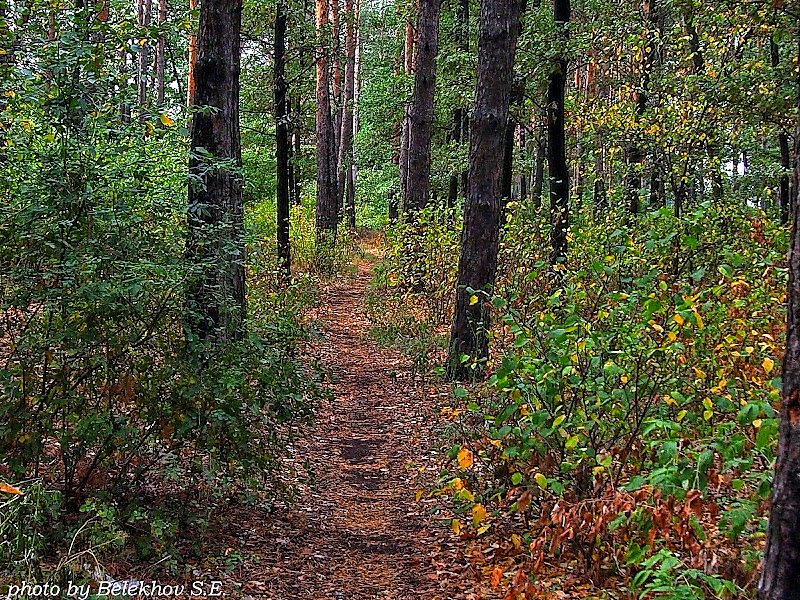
<point x="359" y="531"/>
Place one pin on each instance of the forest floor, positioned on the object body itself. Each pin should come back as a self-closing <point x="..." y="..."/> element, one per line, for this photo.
<point x="366" y="527"/>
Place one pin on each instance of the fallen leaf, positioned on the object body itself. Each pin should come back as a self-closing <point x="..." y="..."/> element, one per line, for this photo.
<point x="456" y="525"/>
<point x="10" y="489"/>
<point x="465" y="458"/>
<point x="478" y="514"/>
<point x="497" y="575"/>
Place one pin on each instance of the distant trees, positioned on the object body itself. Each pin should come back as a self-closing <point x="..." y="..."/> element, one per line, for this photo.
<point x="477" y="264"/>
<point x="215" y="242"/>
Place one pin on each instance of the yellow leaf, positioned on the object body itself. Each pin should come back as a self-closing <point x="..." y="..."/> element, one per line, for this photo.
<point x="458" y="483"/>
<point x="456" y="525"/>
<point x="559" y="420"/>
<point x="419" y="494"/>
<point x="757" y="423"/>
<point x="679" y="319"/>
<point x="10" y="489"/>
<point x="478" y="514"/>
<point x="465" y="458"/>
<point x="473" y="299"/>
<point x="166" y="120"/>
<point x="700" y="374"/>
<point x="672" y="337"/>
<point x="516" y="540"/>
<point x="541" y="480"/>
<point x="699" y="320"/>
<point x="680" y="415"/>
<point x="708" y="414"/>
<point x="768" y="363"/>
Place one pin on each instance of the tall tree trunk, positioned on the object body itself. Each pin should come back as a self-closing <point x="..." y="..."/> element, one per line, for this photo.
<point x="345" y="158"/>
<point x="421" y="116"/>
<point x="556" y="146"/>
<point x="282" y="143"/>
<point x="190" y="83"/>
<point x="215" y="241"/>
<point x="780" y="572"/>
<point x="405" y="134"/>
<point x="327" y="199"/>
<point x="297" y="176"/>
<point x="160" y="58"/>
<point x="145" y="8"/>
<point x="477" y="265"/>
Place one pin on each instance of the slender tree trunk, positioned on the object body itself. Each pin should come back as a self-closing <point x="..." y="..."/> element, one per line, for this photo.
<point x="477" y="265"/>
<point x="421" y="117"/>
<point x="405" y="135"/>
<point x="282" y="143"/>
<point x="215" y="242"/>
<point x="145" y="8"/>
<point x="345" y="158"/>
<point x="556" y="146"/>
<point x="192" y="59"/>
<point x="327" y="199"/>
<point x="160" y="58"/>
<point x="297" y="177"/>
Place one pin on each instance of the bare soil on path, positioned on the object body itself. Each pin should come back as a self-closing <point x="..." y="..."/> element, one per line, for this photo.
<point x="361" y="530"/>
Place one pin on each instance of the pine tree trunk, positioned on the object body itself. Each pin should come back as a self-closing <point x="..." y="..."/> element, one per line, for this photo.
<point x="421" y="116"/>
<point x="327" y="199"/>
<point x="160" y="58"/>
<point x="215" y="243"/>
<point x="477" y="263"/>
<point x="405" y="134"/>
<point x="282" y="143"/>
<point x="346" y="137"/>
<point x="556" y="146"/>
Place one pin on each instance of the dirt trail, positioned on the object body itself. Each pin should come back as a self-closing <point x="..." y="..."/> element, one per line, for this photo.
<point x="358" y="533"/>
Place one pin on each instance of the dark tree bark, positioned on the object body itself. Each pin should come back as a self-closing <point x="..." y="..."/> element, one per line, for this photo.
<point x="216" y="297"/>
<point x="282" y="143"/>
<point x="346" y="138"/>
<point x="405" y="133"/>
<point x="297" y="183"/>
<point x="421" y="116"/>
<point x="477" y="265"/>
<point x="327" y="198"/>
<point x="556" y="145"/>
<point x="780" y="574"/>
